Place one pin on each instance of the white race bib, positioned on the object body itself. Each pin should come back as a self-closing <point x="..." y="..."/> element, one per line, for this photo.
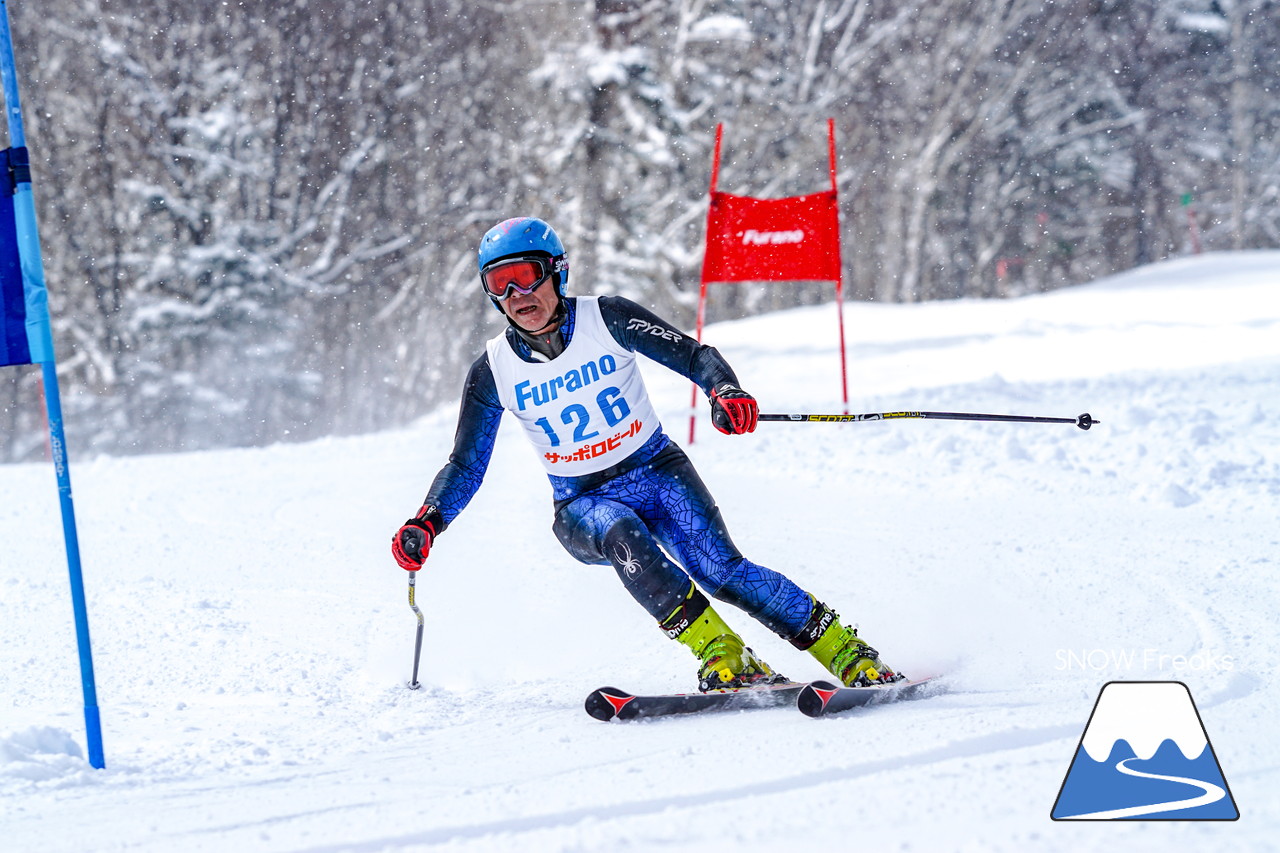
<point x="583" y="411"/>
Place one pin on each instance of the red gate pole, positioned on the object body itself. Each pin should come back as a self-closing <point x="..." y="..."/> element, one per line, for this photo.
<point x="844" y="370"/>
<point x="702" y="287"/>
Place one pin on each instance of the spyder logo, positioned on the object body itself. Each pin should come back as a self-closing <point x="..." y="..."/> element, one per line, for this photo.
<point x="645" y="327"/>
<point x="627" y="562"/>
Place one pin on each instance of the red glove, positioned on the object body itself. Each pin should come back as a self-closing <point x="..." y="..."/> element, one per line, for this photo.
<point x="733" y="411"/>
<point x="412" y="542"/>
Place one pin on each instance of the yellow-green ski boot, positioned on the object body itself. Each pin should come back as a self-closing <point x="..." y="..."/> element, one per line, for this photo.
<point x="841" y="651"/>
<point x="726" y="662"/>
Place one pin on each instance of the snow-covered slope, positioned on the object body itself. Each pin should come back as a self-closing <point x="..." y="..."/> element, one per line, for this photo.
<point x="252" y="635"/>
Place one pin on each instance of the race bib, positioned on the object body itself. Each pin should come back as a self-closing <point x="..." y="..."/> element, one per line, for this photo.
<point x="583" y="411"/>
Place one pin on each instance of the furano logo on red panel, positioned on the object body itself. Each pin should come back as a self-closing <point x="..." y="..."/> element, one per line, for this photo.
<point x="752" y="237"/>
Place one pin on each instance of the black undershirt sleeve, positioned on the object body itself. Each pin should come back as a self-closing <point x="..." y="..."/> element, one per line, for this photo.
<point x="640" y="330"/>
<point x="478" y="420"/>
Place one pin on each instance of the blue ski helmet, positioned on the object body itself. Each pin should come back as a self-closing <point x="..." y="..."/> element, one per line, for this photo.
<point x="523" y="237"/>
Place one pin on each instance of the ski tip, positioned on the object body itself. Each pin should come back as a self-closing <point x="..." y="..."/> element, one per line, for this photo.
<point x="608" y="703"/>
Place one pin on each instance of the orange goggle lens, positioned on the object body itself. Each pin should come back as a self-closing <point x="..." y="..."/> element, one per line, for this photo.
<point x="522" y="275"/>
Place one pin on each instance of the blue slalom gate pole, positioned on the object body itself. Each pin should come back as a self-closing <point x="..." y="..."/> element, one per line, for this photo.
<point x="41" y="338"/>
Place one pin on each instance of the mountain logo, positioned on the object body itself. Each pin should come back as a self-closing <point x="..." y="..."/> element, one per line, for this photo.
<point x="1145" y="755"/>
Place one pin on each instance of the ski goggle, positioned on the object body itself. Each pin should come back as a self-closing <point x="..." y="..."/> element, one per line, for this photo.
<point x="523" y="275"/>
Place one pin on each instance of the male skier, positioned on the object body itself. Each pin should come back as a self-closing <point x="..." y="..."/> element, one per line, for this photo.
<point x="624" y="491"/>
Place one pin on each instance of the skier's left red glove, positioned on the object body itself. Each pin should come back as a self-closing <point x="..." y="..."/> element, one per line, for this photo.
<point x="733" y="411"/>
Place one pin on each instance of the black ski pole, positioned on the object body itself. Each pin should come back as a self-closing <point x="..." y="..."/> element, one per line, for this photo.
<point x="1083" y="421"/>
<point x="417" y="643"/>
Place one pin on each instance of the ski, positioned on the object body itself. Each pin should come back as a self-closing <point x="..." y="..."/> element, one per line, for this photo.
<point x="610" y="703"/>
<point x="819" y="698"/>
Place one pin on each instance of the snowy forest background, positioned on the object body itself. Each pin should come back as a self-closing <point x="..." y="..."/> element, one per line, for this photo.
<point x="259" y="219"/>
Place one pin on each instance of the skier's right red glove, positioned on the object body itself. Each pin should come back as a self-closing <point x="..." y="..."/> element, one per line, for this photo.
<point x="733" y="411"/>
<point x="412" y="542"/>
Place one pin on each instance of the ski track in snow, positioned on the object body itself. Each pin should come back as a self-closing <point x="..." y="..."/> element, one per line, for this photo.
<point x="252" y="635"/>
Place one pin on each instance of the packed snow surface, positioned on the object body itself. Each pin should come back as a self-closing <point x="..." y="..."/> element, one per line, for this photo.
<point x="253" y="637"/>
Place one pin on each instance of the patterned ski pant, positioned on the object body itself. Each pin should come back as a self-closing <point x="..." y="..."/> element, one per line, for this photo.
<point x="664" y="502"/>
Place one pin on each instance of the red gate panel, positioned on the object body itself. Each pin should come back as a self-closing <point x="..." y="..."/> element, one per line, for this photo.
<point x="772" y="239"/>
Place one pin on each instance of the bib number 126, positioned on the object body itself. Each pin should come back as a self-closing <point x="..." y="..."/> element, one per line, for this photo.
<point x="612" y="405"/>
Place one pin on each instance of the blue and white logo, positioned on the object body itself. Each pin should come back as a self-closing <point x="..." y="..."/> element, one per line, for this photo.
<point x="1145" y="755"/>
